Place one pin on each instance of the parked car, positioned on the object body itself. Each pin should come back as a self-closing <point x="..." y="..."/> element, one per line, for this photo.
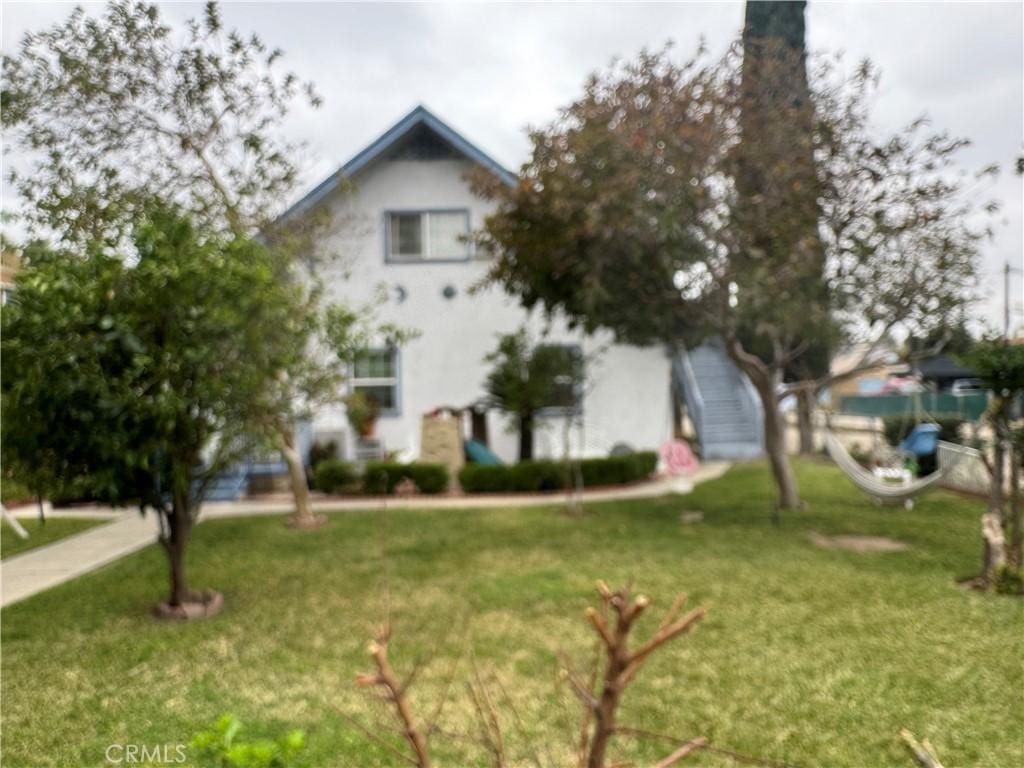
<point x="966" y="386"/>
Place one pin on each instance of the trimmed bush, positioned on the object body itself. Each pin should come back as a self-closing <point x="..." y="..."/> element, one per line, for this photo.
<point x="485" y="478"/>
<point x="332" y="475"/>
<point x="322" y="452"/>
<point x="644" y="464"/>
<point x="383" y="476"/>
<point x="538" y="475"/>
<point x="545" y="475"/>
<point x="618" y="470"/>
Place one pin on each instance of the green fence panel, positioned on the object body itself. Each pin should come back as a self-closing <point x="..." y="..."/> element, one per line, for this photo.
<point x="967" y="406"/>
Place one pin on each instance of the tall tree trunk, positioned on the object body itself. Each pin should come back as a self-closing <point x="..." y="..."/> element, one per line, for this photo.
<point x="303" y="515"/>
<point x="525" y="437"/>
<point x="766" y="380"/>
<point x="775" y="447"/>
<point x="179" y="530"/>
<point x="1013" y="551"/>
<point x="805" y="419"/>
<point x="997" y="491"/>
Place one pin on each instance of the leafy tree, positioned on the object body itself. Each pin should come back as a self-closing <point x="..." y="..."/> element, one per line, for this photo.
<point x="950" y="338"/>
<point x="526" y="378"/>
<point x="1000" y="365"/>
<point x="150" y="370"/>
<point x="119" y="110"/>
<point x="637" y="212"/>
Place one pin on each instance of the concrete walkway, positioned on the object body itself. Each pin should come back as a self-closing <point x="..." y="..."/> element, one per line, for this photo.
<point x="39" y="569"/>
<point x="51" y="564"/>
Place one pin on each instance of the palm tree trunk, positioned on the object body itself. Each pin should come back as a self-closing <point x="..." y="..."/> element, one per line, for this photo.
<point x="525" y="437"/>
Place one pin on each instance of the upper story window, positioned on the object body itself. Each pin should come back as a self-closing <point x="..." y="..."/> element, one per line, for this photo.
<point x="428" y="235"/>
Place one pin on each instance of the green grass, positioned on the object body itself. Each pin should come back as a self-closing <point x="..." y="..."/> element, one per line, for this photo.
<point x="809" y="656"/>
<point x="41" y="533"/>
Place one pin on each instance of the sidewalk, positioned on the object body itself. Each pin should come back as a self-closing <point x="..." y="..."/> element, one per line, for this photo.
<point x="39" y="569"/>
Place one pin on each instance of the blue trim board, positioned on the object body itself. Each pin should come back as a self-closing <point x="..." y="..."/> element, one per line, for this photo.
<point x="419" y="116"/>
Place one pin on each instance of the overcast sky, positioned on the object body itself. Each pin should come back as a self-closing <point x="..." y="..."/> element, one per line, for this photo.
<point x="490" y="70"/>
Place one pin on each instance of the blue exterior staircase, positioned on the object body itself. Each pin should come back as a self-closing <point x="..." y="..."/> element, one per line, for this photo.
<point x="228" y="485"/>
<point x="721" y="402"/>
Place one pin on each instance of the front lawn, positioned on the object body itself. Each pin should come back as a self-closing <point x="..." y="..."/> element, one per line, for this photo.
<point x="41" y="533"/>
<point x="809" y="656"/>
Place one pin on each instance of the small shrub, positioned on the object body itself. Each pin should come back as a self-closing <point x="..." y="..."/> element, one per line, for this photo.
<point x="322" y="452"/>
<point x="644" y="464"/>
<point x="614" y="470"/>
<point x="332" y="476"/>
<point x="382" y="476"/>
<point x="12" y="490"/>
<point x="485" y="478"/>
<point x="429" y="478"/>
<point x="362" y="411"/>
<point x="220" y="747"/>
<point x="618" y="470"/>
<point x="538" y="475"/>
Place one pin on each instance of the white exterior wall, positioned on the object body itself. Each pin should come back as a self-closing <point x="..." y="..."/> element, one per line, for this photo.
<point x="627" y="388"/>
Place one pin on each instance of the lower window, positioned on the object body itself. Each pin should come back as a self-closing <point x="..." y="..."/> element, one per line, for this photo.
<point x="375" y="374"/>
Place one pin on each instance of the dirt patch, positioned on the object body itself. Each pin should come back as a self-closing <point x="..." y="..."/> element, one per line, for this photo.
<point x="203" y="605"/>
<point x="853" y="543"/>
<point x="312" y="522"/>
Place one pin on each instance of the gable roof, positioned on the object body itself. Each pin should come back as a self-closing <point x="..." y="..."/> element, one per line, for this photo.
<point x="420" y="117"/>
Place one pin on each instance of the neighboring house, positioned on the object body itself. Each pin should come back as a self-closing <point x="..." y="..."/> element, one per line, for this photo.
<point x="407" y="211"/>
<point x="869" y="381"/>
<point x="939" y="372"/>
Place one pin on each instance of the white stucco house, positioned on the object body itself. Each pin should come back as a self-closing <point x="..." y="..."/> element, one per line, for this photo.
<point x="407" y="206"/>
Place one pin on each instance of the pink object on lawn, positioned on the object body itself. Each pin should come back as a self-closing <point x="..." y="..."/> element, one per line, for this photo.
<point x="678" y="458"/>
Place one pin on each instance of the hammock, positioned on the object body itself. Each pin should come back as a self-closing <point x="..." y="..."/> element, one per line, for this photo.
<point x="883" y="492"/>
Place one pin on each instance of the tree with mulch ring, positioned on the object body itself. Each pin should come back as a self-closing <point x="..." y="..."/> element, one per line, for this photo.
<point x="144" y="372"/>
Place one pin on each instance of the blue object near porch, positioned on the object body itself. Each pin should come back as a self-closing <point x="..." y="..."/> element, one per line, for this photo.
<point x="228" y="485"/>
<point x="923" y="440"/>
<point x="478" y="453"/>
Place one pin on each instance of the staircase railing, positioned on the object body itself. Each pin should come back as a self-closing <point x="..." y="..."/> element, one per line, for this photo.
<point x="752" y="406"/>
<point x="686" y="380"/>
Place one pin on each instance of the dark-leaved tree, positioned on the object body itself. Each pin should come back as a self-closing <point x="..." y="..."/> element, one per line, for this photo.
<point x="641" y="211"/>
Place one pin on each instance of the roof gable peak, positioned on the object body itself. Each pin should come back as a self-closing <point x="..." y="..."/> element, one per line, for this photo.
<point x="418" y="119"/>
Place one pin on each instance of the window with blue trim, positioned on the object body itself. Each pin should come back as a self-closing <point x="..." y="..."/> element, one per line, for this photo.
<point x="565" y="364"/>
<point x="428" y="235"/>
<point x="375" y="374"/>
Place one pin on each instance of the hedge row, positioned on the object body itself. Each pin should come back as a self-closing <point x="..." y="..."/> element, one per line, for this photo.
<point x="544" y="475"/>
<point x="333" y="476"/>
<point x="383" y="476"/>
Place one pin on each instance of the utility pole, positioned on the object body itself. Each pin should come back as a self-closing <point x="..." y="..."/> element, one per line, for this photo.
<point x="1006" y="300"/>
<point x="1007" y="310"/>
